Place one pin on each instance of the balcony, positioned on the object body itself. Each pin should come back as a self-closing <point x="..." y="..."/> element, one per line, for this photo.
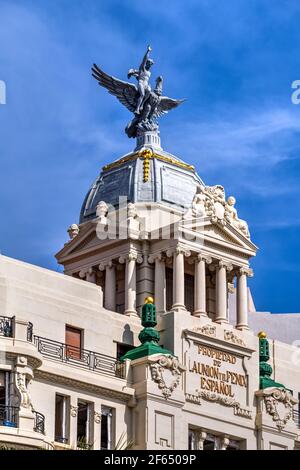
<point x="39" y="422"/>
<point x="6" y="326"/>
<point x="9" y="416"/>
<point x="79" y="357"/>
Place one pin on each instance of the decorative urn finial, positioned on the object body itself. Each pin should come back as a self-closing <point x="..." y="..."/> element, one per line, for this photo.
<point x="149" y="336"/>
<point x="265" y="369"/>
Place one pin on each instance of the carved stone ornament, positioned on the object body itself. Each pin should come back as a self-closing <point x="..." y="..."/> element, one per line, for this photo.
<point x="73" y="411"/>
<point x="25" y="400"/>
<point x="233" y="338"/>
<point x="209" y="201"/>
<point x="206" y="330"/>
<point x="73" y="231"/>
<point x="214" y="397"/>
<point x="166" y="372"/>
<point x="97" y="417"/>
<point x="279" y="405"/>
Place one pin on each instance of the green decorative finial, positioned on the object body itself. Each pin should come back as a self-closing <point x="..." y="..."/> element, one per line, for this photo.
<point x="149" y="337"/>
<point x="265" y="369"/>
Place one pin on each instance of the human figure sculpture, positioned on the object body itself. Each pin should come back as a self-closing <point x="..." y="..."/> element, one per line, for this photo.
<point x="198" y="204"/>
<point x="142" y="75"/>
<point x="147" y="105"/>
<point x="232" y="217"/>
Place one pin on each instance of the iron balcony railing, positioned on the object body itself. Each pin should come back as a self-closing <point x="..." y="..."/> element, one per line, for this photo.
<point x="9" y="416"/>
<point x="79" y="357"/>
<point x="39" y="422"/>
<point x="6" y="326"/>
<point x="30" y="332"/>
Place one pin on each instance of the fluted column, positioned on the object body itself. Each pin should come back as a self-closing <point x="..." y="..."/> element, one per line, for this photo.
<point x="159" y="281"/>
<point x="178" y="277"/>
<point x="242" y="298"/>
<point x="221" y="291"/>
<point x="130" y="282"/>
<point x="110" y="287"/>
<point x="200" y="285"/>
<point x="160" y="284"/>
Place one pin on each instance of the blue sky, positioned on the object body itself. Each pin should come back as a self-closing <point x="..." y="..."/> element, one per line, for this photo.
<point x="234" y="61"/>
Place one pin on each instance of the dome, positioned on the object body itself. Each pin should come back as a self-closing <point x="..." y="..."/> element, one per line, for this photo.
<point x="145" y="176"/>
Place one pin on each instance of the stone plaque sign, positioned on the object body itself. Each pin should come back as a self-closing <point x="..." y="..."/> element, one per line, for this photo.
<point x="215" y="375"/>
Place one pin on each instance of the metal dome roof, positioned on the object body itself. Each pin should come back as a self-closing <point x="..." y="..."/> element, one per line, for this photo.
<point x="144" y="176"/>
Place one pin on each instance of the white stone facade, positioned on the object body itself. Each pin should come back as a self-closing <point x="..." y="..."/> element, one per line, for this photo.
<point x="206" y="396"/>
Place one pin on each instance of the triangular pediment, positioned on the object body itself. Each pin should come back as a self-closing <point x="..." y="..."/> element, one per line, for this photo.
<point x="86" y="238"/>
<point x="219" y="234"/>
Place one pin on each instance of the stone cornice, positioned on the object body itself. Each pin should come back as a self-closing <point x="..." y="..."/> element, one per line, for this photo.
<point x="78" y="384"/>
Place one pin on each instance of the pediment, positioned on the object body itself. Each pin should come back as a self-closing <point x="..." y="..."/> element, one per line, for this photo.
<point x="87" y="238"/>
<point x="219" y="234"/>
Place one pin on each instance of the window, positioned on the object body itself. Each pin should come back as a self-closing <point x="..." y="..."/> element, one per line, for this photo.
<point x="233" y="445"/>
<point x="122" y="349"/>
<point x="62" y="406"/>
<point x="211" y="443"/>
<point x="84" y="425"/>
<point x="106" y="427"/>
<point x="8" y="413"/>
<point x="73" y="342"/>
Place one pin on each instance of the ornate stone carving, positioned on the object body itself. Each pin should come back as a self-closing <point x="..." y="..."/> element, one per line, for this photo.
<point x="73" y="231"/>
<point x="210" y="396"/>
<point x="247" y="271"/>
<point x="215" y="203"/>
<point x="159" y="372"/>
<point x="101" y="212"/>
<point x="233" y="338"/>
<point x="97" y="417"/>
<point x="25" y="400"/>
<point x="208" y="330"/>
<point x="226" y="265"/>
<point x="243" y="412"/>
<point x="279" y="404"/>
<point x="209" y="201"/>
<point x="231" y="216"/>
<point x="132" y="221"/>
<point x="198" y="203"/>
<point x="73" y="411"/>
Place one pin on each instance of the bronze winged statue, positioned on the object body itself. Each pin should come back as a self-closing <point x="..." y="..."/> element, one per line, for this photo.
<point x="147" y="105"/>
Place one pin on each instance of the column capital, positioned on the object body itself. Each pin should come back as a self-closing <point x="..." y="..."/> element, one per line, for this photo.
<point x="106" y="264"/>
<point x="201" y="257"/>
<point x="83" y="273"/>
<point x="181" y="250"/>
<point x="156" y="256"/>
<point x="131" y="256"/>
<point x="224" y="264"/>
<point x="245" y="270"/>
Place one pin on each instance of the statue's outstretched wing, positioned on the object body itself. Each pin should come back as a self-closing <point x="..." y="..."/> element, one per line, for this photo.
<point x="126" y="93"/>
<point x="165" y="105"/>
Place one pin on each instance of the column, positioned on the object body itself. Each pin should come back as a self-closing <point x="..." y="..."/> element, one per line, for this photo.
<point x="160" y="284"/>
<point x="110" y="287"/>
<point x="242" y="298"/>
<point x="130" y="285"/>
<point x="178" y="280"/>
<point x="88" y="274"/>
<point x="200" y="286"/>
<point x="201" y="436"/>
<point x="221" y="292"/>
